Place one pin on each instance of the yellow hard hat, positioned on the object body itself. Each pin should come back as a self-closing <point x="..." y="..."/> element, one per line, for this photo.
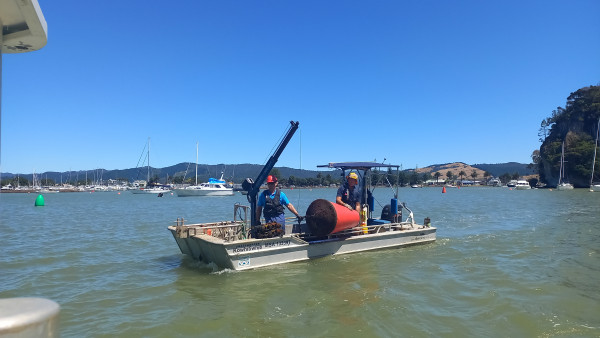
<point x="353" y="175"/>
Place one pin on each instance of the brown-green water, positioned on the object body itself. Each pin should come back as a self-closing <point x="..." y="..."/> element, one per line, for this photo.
<point x="506" y="264"/>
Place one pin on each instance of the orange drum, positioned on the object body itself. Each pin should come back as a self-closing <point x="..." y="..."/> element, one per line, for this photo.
<point x="324" y="217"/>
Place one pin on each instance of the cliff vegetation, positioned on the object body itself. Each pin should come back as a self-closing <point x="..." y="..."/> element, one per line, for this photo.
<point x="576" y="125"/>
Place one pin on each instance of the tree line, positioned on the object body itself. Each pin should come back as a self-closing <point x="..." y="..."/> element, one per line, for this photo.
<point x="393" y="177"/>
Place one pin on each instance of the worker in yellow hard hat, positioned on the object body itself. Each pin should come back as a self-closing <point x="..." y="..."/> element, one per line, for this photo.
<point x="348" y="194"/>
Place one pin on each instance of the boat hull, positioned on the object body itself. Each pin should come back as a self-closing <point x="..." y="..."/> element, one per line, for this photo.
<point x="564" y="186"/>
<point x="203" y="192"/>
<point x="254" y="253"/>
<point x="595" y="188"/>
<point x="149" y="191"/>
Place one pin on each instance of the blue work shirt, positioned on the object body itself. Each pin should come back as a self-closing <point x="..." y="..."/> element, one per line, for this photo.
<point x="282" y="198"/>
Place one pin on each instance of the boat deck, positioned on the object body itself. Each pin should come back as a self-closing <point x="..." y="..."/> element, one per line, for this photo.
<point x="229" y="244"/>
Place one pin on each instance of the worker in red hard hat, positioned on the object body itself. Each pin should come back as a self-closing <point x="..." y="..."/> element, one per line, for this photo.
<point x="271" y="203"/>
<point x="348" y="193"/>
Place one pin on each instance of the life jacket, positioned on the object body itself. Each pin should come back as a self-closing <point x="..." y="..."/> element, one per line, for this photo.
<point x="273" y="206"/>
<point x="348" y="196"/>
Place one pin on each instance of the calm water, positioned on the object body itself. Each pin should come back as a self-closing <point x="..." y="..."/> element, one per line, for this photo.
<point x="506" y="264"/>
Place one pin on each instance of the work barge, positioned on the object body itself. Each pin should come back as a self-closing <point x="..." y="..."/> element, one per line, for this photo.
<point x="326" y="229"/>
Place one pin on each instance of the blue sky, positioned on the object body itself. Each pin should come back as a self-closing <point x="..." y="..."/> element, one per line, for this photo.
<point x="415" y="82"/>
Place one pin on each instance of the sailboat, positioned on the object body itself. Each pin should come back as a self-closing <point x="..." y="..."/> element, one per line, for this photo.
<point x="154" y="189"/>
<point x="214" y="187"/>
<point x="595" y="186"/>
<point x="561" y="184"/>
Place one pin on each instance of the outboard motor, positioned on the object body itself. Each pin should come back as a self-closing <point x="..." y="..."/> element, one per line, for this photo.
<point x="247" y="184"/>
<point x="387" y="214"/>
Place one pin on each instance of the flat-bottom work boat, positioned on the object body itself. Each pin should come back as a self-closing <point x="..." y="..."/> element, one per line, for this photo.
<point x="230" y="246"/>
<point x="327" y="229"/>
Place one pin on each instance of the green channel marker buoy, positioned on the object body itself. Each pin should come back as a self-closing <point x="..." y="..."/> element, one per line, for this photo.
<point x="39" y="201"/>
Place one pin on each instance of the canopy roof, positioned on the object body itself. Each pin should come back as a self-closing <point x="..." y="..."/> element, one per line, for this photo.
<point x="357" y="165"/>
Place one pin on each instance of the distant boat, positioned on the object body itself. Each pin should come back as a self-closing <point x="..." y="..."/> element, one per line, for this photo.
<point x="595" y="186"/>
<point x="155" y="189"/>
<point x="522" y="185"/>
<point x="152" y="189"/>
<point x="562" y="185"/>
<point x="512" y="184"/>
<point x="494" y="182"/>
<point x="214" y="187"/>
<point x="46" y="190"/>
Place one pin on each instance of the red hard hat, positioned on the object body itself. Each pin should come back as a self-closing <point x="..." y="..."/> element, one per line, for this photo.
<point x="271" y="179"/>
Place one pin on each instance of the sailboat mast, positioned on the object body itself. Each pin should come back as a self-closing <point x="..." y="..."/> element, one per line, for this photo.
<point x="196" y="163"/>
<point x="562" y="163"/>
<point x="595" y="148"/>
<point x="148" y="182"/>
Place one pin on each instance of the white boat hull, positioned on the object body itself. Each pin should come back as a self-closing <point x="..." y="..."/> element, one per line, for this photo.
<point x="253" y="253"/>
<point x="595" y="188"/>
<point x="522" y="185"/>
<point x="149" y="191"/>
<point x="564" y="186"/>
<point x="203" y="192"/>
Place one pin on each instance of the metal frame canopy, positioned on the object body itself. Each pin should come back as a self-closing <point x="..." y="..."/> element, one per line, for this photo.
<point x="24" y="28"/>
<point x="365" y="167"/>
<point x="357" y="165"/>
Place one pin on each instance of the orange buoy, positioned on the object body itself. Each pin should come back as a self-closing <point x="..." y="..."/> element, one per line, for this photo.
<point x="443" y="190"/>
<point x="324" y="217"/>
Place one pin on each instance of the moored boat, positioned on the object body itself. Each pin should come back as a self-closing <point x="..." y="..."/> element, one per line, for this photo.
<point x="214" y="187"/>
<point x="562" y="184"/>
<point x="153" y="189"/>
<point x="595" y="186"/>
<point x="522" y="185"/>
